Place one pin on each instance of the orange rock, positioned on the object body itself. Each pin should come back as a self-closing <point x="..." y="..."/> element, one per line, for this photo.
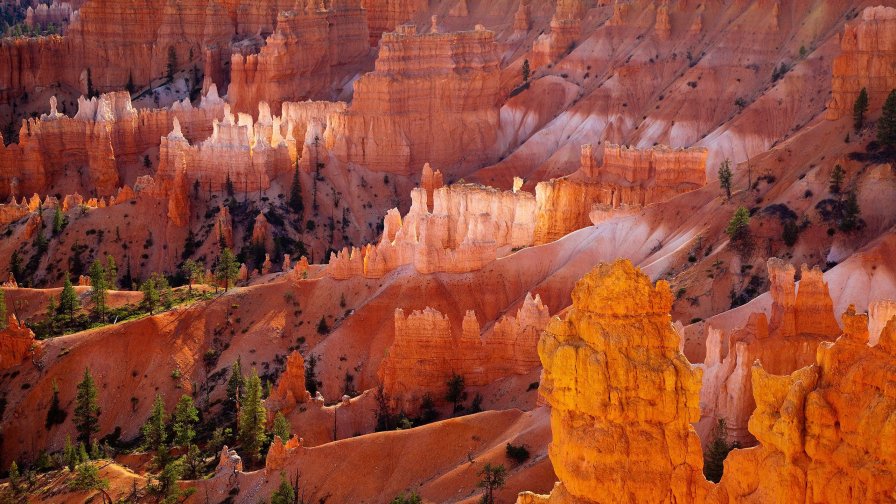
<point x="867" y="56"/>
<point x="386" y="15"/>
<point x="224" y="227"/>
<point x="290" y="390"/>
<point x="17" y="343"/>
<point x="279" y="454"/>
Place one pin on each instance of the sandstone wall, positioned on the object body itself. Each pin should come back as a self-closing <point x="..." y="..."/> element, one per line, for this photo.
<point x="867" y="58"/>
<point x="431" y="98"/>
<point x="628" y="177"/>
<point x="427" y="350"/>
<point x="386" y="15"/>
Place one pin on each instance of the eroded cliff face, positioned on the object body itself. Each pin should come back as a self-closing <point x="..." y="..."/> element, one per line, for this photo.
<point x="800" y="320"/>
<point x="427" y="350"/>
<point x="467" y="228"/>
<point x="92" y="151"/>
<point x="386" y="15"/>
<point x="866" y="60"/>
<point x="423" y="86"/>
<point x="622" y="396"/>
<point x="627" y="178"/>
<point x="17" y="343"/>
<point x="290" y="390"/>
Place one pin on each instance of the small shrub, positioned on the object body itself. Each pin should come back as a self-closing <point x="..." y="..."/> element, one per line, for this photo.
<point x="517" y="453"/>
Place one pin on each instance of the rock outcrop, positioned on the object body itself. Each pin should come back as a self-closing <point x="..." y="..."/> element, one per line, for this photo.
<point x="386" y="15"/>
<point x="427" y="350"/>
<point x="17" y="342"/>
<point x="622" y="395"/>
<point x="464" y="232"/>
<point x="290" y="390"/>
<point x="800" y="321"/>
<point x="423" y="85"/>
<point x="627" y="178"/>
<point x="866" y="60"/>
<point x="279" y="454"/>
<point x="566" y="28"/>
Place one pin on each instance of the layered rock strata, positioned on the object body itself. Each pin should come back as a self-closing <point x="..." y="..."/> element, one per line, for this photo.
<point x="627" y="177"/>
<point x="427" y="351"/>
<point x="290" y="390"/>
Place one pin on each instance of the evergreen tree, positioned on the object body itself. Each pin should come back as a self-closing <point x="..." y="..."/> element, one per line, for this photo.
<point x="252" y="418"/>
<point x="68" y="299"/>
<point x="456" y="393"/>
<point x="228" y="186"/>
<point x="714" y="458"/>
<point x="285" y="493"/>
<point x="311" y="383"/>
<point x="150" y="294"/>
<point x="886" y="126"/>
<point x="836" y="184"/>
<point x="295" y="194"/>
<point x="407" y="498"/>
<point x="725" y="177"/>
<point x="193" y="461"/>
<point x="70" y="454"/>
<point x="185" y="418"/>
<point x="55" y="415"/>
<point x="228" y="268"/>
<point x="87" y="410"/>
<point x="14" y="478"/>
<point x="194" y="271"/>
<point x="155" y="432"/>
<point x="851" y="211"/>
<point x="111" y="272"/>
<point x="526" y="70"/>
<point x="98" y="288"/>
<point x="281" y="427"/>
<point x="491" y="478"/>
<point x="859" y="108"/>
<point x="87" y="477"/>
<point x="58" y="220"/>
<point x="15" y="265"/>
<point x="738" y="230"/>
<point x="235" y="385"/>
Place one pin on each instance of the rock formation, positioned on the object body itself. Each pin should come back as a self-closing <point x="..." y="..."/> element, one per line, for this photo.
<point x="290" y="389"/>
<point x="386" y="15"/>
<point x="464" y="232"/>
<point x="800" y="320"/>
<point x="628" y="177"/>
<point x="426" y="352"/>
<point x="566" y="28"/>
<point x="622" y="396"/>
<point x="867" y="56"/>
<point x="17" y="342"/>
<point x="279" y="454"/>
<point x="422" y="86"/>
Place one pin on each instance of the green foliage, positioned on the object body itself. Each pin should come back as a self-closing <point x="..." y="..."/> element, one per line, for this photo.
<point x="68" y="299"/>
<point x="725" y="177"/>
<point x="193" y="461"/>
<point x="517" y="453"/>
<point x="111" y="272"/>
<point x="295" y="194"/>
<point x="98" y="288"/>
<point x="228" y="268"/>
<point x="738" y="230"/>
<point x="252" y="418"/>
<point x="311" y="382"/>
<point x="407" y="498"/>
<point x="186" y="416"/>
<point x="220" y="437"/>
<point x="228" y="185"/>
<point x="790" y="233"/>
<point x="281" y="427"/>
<point x="166" y="485"/>
<point x="156" y="292"/>
<point x="194" y="271"/>
<point x="55" y="415"/>
<point x="87" y="410"/>
<point x="456" y="391"/>
<point x="491" y="478"/>
<point x="886" y="126"/>
<point x="155" y="432"/>
<point x="836" y="184"/>
<point x="851" y="220"/>
<point x="70" y="454"/>
<point x="235" y="385"/>
<point x="285" y="493"/>
<point x="15" y="478"/>
<point x="87" y="477"/>
<point x="715" y="454"/>
<point x="59" y="221"/>
<point x="859" y="108"/>
<point x="526" y="70"/>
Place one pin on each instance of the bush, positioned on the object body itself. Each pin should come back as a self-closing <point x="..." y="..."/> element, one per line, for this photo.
<point x="517" y="453"/>
<point x="790" y="233"/>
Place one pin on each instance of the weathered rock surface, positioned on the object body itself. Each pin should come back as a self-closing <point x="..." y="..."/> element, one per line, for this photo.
<point x="17" y="342"/>
<point x="427" y="351"/>
<point x="290" y="389"/>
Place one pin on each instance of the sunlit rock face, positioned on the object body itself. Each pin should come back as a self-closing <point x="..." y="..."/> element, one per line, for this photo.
<point x="867" y="58"/>
<point x="622" y="396"/>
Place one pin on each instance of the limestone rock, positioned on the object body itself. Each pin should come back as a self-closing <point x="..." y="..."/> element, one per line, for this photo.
<point x="279" y="454"/>
<point x="290" y="390"/>
<point x="17" y="342"/>
<point x="229" y="462"/>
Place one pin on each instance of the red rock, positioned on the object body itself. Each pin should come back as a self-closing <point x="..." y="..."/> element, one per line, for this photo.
<point x="290" y="390"/>
<point x="17" y="343"/>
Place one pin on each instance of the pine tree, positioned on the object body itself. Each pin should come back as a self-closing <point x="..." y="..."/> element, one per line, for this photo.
<point x="526" y="70"/>
<point x="150" y="294"/>
<point x="886" y="126"/>
<point x="836" y="184"/>
<point x="285" y="493"/>
<point x="491" y="478"/>
<point x="55" y="415"/>
<point x="859" y="108"/>
<point x="235" y="385"/>
<point x="155" y="433"/>
<point x="715" y="454"/>
<point x="87" y="410"/>
<point x="228" y="186"/>
<point x="738" y="230"/>
<point x="851" y="211"/>
<point x="98" y="288"/>
<point x="725" y="177"/>
<point x="295" y="194"/>
<point x="14" y="478"/>
<point x="111" y="272"/>
<point x="456" y="393"/>
<point x="252" y="418"/>
<point x="70" y="454"/>
<point x="193" y="271"/>
<point x="185" y="418"/>
<point x="281" y="427"/>
<point x="228" y="268"/>
<point x="58" y="220"/>
<point x="68" y="299"/>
